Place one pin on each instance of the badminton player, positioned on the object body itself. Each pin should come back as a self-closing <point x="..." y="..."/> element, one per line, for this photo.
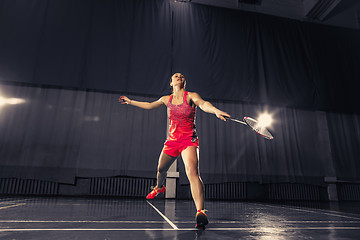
<point x="182" y="138"/>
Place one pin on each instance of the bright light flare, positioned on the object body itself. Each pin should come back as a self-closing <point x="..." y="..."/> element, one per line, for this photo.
<point x="12" y="101"/>
<point x="265" y="120"/>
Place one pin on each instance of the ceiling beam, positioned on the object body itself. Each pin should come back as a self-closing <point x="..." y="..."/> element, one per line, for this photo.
<point x="319" y="9"/>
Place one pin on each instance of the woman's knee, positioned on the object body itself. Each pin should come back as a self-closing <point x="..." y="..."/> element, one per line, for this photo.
<point x="162" y="169"/>
<point x="192" y="172"/>
<point x="165" y="162"/>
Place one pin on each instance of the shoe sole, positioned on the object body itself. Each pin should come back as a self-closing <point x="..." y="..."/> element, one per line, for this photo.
<point x="155" y="195"/>
<point x="201" y="221"/>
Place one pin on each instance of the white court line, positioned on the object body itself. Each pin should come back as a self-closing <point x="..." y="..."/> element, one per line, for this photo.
<point x="16" y="205"/>
<point x="257" y="229"/>
<point x="3" y="200"/>
<point x="310" y="211"/>
<point x="280" y="221"/>
<point x="318" y="221"/>
<point x="166" y="219"/>
<point x="142" y="222"/>
<point x="60" y="221"/>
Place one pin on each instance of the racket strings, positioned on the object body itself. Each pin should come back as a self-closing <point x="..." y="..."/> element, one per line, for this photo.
<point x="258" y="128"/>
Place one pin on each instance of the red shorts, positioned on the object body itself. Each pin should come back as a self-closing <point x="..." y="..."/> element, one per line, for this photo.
<point x="174" y="148"/>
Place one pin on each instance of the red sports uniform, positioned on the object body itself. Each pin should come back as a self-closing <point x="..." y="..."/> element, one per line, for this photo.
<point x="182" y="131"/>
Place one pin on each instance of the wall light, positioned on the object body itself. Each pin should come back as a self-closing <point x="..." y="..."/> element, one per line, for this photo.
<point x="4" y="101"/>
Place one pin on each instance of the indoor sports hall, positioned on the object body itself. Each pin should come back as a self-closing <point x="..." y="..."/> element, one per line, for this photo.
<point x="179" y="119"/>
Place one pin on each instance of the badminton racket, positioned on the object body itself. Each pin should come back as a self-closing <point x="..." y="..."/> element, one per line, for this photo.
<point x="254" y="125"/>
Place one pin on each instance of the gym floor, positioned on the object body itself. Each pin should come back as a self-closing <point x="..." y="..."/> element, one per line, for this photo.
<point x="123" y="218"/>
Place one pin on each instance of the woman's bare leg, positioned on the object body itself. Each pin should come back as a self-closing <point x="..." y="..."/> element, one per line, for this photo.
<point x="164" y="164"/>
<point x="191" y="162"/>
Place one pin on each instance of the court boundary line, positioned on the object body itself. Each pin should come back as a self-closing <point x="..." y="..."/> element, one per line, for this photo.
<point x="163" y="216"/>
<point x="3" y="200"/>
<point x="255" y="229"/>
<point x="309" y="211"/>
<point x="78" y="221"/>
<point x="11" y="206"/>
<point x="159" y="222"/>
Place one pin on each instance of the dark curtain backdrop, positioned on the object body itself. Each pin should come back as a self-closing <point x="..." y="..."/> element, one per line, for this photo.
<point x="108" y="45"/>
<point x="70" y="60"/>
<point x="59" y="134"/>
<point x="134" y="46"/>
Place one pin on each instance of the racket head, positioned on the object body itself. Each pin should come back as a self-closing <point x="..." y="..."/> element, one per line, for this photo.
<point x="262" y="131"/>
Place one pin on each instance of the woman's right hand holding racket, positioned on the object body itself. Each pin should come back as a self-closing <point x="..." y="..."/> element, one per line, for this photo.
<point x="222" y="115"/>
<point x="124" y="100"/>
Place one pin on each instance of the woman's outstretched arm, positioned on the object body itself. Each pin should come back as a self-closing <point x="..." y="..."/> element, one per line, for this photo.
<point x="207" y="106"/>
<point x="144" y="105"/>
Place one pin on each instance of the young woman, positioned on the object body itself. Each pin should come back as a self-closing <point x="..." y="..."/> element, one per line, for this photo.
<point x="182" y="138"/>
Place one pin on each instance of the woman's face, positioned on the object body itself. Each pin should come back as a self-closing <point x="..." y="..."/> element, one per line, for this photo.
<point x="177" y="79"/>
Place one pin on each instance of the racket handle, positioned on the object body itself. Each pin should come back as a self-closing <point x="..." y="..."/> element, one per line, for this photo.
<point x="235" y="120"/>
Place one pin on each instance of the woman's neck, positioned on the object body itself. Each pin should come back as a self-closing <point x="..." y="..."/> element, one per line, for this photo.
<point x="178" y="92"/>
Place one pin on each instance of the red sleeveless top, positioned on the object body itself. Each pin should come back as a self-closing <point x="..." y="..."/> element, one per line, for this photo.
<point x="181" y="121"/>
